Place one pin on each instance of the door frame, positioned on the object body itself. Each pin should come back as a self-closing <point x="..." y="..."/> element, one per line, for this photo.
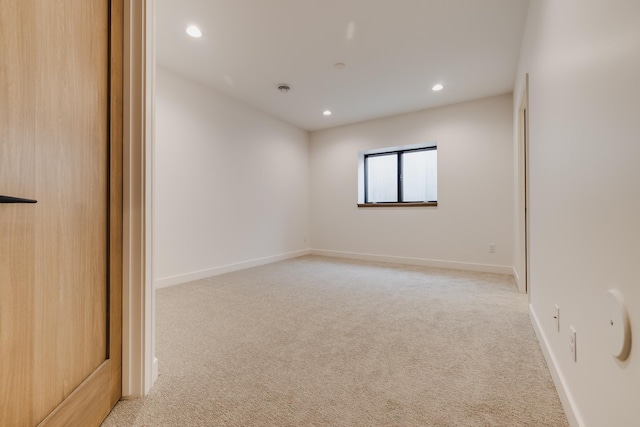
<point x="523" y="187"/>
<point x="139" y="364"/>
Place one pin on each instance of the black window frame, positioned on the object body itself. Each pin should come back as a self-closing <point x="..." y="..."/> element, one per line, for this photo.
<point x="398" y="154"/>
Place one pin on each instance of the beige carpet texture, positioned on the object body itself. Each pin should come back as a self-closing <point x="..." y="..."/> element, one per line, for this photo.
<point x="317" y="341"/>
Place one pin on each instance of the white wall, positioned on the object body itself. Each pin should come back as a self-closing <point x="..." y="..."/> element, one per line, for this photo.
<point x="583" y="60"/>
<point x="230" y="184"/>
<point x="475" y="189"/>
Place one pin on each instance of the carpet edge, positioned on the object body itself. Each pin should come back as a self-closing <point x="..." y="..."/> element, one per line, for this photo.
<point x="453" y="265"/>
<point x="222" y="269"/>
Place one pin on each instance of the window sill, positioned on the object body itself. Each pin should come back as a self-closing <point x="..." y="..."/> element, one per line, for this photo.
<point x="395" y="205"/>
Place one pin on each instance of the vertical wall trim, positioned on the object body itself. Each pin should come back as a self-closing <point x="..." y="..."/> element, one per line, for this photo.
<point x="137" y="334"/>
<point x="522" y="235"/>
<point x="150" y="89"/>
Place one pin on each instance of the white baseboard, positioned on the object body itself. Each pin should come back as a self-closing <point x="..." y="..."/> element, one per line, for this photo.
<point x="519" y="284"/>
<point x="516" y="276"/>
<point x="568" y="403"/>
<point x="154" y="370"/>
<point x="202" y="274"/>
<point x="485" y="268"/>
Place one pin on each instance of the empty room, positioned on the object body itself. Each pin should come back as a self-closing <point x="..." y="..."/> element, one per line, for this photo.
<point x="407" y="213"/>
<point x="306" y="213"/>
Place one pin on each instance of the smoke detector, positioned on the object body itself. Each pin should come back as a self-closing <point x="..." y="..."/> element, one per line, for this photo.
<point x="284" y="88"/>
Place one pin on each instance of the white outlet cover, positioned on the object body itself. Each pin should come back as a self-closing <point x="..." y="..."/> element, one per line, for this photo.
<point x="572" y="343"/>
<point x="618" y="326"/>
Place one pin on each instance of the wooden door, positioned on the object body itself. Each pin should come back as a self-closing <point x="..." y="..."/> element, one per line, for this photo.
<point x="60" y="259"/>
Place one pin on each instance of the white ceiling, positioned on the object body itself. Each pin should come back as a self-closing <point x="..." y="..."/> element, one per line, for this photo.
<point x="394" y="51"/>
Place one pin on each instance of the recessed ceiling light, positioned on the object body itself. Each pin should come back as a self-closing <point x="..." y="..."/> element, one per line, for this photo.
<point x="194" y="31"/>
<point x="326" y="112"/>
<point x="437" y="87"/>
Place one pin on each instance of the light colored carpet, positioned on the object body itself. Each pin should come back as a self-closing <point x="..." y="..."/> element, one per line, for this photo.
<point x="317" y="341"/>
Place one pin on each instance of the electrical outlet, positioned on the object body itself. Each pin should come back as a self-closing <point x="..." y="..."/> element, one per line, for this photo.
<point x="556" y="317"/>
<point x="572" y="343"/>
<point x="492" y="248"/>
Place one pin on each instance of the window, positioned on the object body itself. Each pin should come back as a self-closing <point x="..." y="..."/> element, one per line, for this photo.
<point x="406" y="176"/>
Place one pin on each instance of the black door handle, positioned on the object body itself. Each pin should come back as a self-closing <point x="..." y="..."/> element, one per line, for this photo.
<point x="9" y="199"/>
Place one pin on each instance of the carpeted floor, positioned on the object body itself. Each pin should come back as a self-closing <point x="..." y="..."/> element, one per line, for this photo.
<point x="316" y="341"/>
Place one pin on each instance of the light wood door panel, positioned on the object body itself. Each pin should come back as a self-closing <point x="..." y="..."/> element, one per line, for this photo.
<point x="17" y="234"/>
<point x="60" y="269"/>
